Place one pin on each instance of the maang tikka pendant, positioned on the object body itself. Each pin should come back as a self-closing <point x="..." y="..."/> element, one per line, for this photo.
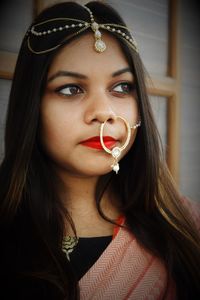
<point x="116" y="151"/>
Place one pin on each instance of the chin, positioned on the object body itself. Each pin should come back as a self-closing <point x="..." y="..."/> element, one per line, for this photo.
<point x="96" y="173"/>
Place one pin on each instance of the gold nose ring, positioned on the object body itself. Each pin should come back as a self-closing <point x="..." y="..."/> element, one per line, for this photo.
<point x="116" y="151"/>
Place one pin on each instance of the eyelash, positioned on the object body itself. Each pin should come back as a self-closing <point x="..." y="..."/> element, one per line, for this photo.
<point x="131" y="88"/>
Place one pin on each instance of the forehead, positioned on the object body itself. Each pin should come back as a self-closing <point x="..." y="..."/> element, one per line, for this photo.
<point x="80" y="55"/>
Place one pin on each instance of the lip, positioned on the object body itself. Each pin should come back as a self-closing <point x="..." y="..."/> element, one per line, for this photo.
<point x="95" y="143"/>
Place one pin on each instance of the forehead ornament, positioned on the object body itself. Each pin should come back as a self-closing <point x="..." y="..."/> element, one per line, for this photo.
<point x="81" y="25"/>
<point x="99" y="45"/>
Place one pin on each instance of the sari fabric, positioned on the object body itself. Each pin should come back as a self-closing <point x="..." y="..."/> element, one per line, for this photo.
<point x="125" y="270"/>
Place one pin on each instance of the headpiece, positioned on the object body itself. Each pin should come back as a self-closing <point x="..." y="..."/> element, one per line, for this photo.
<point x="46" y="28"/>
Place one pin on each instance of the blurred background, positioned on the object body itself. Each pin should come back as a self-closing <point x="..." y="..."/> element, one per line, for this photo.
<point x="167" y="32"/>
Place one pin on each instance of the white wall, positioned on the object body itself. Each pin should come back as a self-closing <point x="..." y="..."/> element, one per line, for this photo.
<point x="190" y="99"/>
<point x="15" y="17"/>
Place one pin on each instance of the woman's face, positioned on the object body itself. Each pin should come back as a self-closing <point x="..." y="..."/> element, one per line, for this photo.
<point x="85" y="88"/>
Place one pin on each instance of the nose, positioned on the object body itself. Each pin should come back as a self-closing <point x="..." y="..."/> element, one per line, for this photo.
<point x="99" y="110"/>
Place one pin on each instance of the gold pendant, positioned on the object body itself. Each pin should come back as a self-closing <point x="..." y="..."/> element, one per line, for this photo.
<point x="68" y="245"/>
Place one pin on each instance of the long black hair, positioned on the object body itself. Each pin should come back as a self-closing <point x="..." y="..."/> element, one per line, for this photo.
<point x="30" y="206"/>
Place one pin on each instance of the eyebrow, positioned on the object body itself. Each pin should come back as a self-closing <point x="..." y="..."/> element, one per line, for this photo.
<point x="81" y="76"/>
<point x="122" y="71"/>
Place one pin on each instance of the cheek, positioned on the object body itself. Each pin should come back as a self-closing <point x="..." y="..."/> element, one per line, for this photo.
<point x="134" y="110"/>
<point x="129" y="110"/>
<point x="131" y="143"/>
<point x="132" y="140"/>
<point x="54" y="126"/>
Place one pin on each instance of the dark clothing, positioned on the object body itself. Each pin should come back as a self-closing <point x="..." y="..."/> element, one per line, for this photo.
<point x="86" y="253"/>
<point x="25" y="263"/>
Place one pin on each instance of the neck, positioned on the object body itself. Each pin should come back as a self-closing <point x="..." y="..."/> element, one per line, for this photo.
<point x="78" y="195"/>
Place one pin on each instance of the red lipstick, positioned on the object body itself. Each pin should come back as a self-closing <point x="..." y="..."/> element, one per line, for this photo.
<point x="95" y="143"/>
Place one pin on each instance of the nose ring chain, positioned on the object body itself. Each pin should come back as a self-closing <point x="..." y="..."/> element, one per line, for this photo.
<point x="116" y="151"/>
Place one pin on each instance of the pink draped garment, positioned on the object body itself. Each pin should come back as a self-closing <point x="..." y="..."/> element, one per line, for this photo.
<point x="125" y="270"/>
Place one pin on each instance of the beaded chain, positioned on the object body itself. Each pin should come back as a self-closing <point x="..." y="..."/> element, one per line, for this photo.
<point x="99" y="45"/>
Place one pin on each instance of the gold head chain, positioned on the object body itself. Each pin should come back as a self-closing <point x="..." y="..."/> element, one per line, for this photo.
<point x="81" y="25"/>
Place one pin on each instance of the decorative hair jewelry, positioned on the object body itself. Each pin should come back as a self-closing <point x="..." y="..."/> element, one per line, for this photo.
<point x="116" y="151"/>
<point x="81" y="25"/>
<point x="99" y="45"/>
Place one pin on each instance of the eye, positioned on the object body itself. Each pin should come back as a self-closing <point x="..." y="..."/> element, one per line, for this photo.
<point x="124" y="88"/>
<point x="69" y="90"/>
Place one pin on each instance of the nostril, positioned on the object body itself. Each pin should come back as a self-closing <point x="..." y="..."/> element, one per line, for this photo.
<point x="100" y="114"/>
<point x="110" y="120"/>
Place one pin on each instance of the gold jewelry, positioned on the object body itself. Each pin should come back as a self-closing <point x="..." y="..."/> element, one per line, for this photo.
<point x="116" y="151"/>
<point x="136" y="125"/>
<point x="68" y="245"/>
<point x="99" y="46"/>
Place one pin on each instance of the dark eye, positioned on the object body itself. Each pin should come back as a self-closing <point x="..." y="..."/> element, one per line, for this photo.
<point x="69" y="90"/>
<point x="124" y="88"/>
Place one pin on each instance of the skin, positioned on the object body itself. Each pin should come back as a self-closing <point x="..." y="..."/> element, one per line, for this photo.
<point x="71" y="115"/>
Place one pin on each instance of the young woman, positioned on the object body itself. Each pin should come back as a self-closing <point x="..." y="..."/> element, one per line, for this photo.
<point x="88" y="207"/>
